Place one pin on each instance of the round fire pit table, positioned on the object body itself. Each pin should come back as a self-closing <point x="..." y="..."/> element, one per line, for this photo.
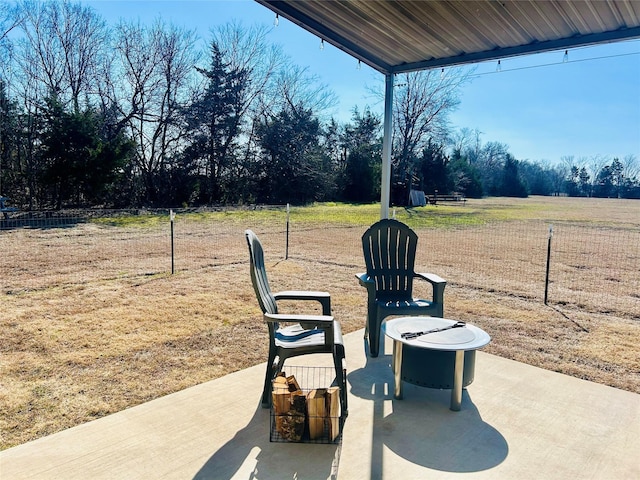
<point x="439" y="353"/>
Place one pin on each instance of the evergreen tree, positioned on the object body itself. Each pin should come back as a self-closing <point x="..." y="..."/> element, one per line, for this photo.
<point x="604" y="187"/>
<point x="364" y="150"/>
<point x="432" y="171"/>
<point x="8" y="143"/>
<point x="584" y="185"/>
<point x="80" y="163"/>
<point x="617" y="177"/>
<point x="512" y="184"/>
<point x="293" y="168"/>
<point x="572" y="183"/>
<point x="464" y="177"/>
<point x="537" y="177"/>
<point x="214" y="120"/>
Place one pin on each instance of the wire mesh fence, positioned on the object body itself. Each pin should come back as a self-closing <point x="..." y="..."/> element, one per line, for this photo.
<point x="591" y="267"/>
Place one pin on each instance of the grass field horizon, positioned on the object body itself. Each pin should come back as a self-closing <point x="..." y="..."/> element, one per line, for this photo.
<point x="94" y="322"/>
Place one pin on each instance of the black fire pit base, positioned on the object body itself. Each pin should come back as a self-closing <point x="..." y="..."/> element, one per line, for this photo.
<point x="435" y="368"/>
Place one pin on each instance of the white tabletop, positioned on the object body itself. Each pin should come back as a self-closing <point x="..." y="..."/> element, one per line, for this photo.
<point x="468" y="337"/>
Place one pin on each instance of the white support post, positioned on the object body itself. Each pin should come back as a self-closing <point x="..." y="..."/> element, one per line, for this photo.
<point x="385" y="190"/>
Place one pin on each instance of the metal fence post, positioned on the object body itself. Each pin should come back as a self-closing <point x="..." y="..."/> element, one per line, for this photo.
<point x="172" y="217"/>
<point x="546" y="281"/>
<point x="286" y="252"/>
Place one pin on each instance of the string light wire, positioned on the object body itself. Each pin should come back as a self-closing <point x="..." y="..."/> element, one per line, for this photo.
<point x="604" y="57"/>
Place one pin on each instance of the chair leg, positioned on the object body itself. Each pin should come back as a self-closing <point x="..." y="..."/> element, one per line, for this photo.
<point x="266" y="393"/>
<point x="372" y="329"/>
<point x="374" y="341"/>
<point x="341" y="377"/>
<point x="270" y="374"/>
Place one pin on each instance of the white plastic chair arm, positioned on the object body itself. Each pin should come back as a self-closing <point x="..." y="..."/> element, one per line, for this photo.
<point x="431" y="277"/>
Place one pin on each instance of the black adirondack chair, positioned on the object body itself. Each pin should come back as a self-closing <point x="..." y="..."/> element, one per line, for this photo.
<point x="389" y="248"/>
<point x="291" y="335"/>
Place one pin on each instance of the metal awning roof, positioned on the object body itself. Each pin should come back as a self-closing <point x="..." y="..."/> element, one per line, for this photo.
<point x="403" y="36"/>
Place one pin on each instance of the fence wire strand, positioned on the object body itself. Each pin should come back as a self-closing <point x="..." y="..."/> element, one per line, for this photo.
<point x="594" y="268"/>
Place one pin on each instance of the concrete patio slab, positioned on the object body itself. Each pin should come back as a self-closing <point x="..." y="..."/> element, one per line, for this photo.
<point x="516" y="421"/>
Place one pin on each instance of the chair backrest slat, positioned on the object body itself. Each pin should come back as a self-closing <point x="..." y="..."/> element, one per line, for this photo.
<point x="259" y="274"/>
<point x="389" y="248"/>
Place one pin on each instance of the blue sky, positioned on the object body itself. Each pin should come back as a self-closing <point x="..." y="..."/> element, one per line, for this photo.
<point x="538" y="105"/>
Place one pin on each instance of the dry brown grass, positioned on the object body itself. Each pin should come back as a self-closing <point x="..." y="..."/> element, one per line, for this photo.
<point x="93" y="322"/>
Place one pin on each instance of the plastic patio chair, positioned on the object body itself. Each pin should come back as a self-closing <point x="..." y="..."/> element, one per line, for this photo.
<point x="389" y="248"/>
<point x="291" y="335"/>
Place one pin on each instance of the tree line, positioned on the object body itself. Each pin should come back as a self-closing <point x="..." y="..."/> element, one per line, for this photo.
<point x="142" y="115"/>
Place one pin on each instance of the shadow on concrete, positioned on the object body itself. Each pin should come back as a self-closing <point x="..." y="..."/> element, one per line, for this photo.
<point x="421" y="429"/>
<point x="250" y="454"/>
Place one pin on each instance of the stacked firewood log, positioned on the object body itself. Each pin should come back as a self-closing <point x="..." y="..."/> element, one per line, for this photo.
<point x="293" y="409"/>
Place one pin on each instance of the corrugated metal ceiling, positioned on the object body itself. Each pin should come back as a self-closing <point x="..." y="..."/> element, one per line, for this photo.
<point x="401" y="36"/>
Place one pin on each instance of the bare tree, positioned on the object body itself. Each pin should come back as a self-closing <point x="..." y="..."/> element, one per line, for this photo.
<point x="422" y="103"/>
<point x="595" y="164"/>
<point x="40" y="58"/>
<point x="568" y="161"/>
<point x="10" y="17"/>
<point x="467" y="141"/>
<point x="461" y="139"/>
<point x="247" y="50"/>
<point x="490" y="162"/>
<point x="631" y="167"/>
<point x="297" y="90"/>
<point x="153" y="66"/>
<point x="61" y="48"/>
<point x="558" y="177"/>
